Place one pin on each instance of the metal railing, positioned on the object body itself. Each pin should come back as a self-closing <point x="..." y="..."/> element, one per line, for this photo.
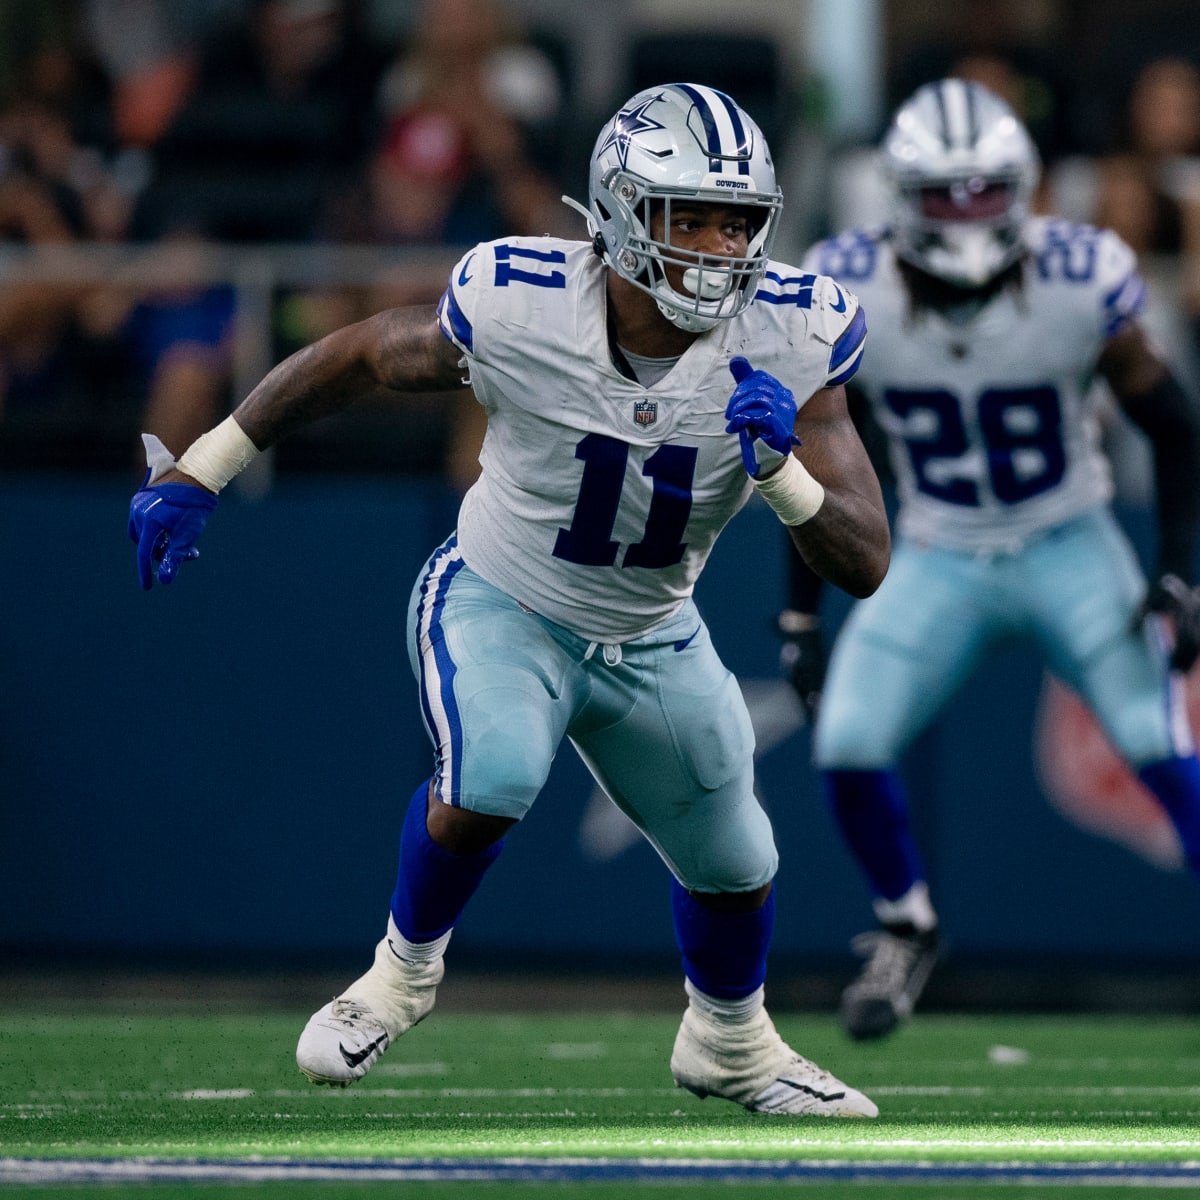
<point x="256" y="273"/>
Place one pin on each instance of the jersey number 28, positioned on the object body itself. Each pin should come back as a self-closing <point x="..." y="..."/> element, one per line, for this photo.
<point x="1021" y="430"/>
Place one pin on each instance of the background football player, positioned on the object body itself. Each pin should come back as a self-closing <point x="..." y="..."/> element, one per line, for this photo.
<point x="988" y="326"/>
<point x="561" y="606"/>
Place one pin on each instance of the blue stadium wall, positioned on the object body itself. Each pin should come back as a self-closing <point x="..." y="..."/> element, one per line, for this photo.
<point x="220" y="768"/>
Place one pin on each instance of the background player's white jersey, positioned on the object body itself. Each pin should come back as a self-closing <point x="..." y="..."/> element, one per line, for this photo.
<point x="991" y="422"/>
<point x="600" y="499"/>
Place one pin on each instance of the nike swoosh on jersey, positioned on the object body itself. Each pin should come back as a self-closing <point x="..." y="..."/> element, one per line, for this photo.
<point x="840" y="306"/>
<point x="352" y="1060"/>
<point x="464" y="278"/>
<point x="687" y="641"/>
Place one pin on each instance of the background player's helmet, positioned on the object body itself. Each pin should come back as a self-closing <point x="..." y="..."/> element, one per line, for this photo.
<point x="682" y="141"/>
<point x="962" y="170"/>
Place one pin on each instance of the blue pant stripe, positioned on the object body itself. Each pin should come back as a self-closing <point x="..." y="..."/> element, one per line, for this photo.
<point x="438" y="704"/>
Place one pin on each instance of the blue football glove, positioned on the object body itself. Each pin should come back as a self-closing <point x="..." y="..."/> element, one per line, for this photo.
<point x="761" y="412"/>
<point x="1171" y="597"/>
<point x="165" y="519"/>
<point x="803" y="660"/>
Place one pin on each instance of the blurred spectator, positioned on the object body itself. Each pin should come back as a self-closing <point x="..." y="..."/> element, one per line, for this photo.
<point x="470" y="63"/>
<point x="35" y="318"/>
<point x="79" y="362"/>
<point x="416" y="192"/>
<point x="149" y="50"/>
<point x="1147" y="186"/>
<point x="51" y="189"/>
<point x="275" y="122"/>
<point x="1160" y="157"/>
<point x="471" y="59"/>
<point x="418" y="188"/>
<point x="177" y="336"/>
<point x="451" y="166"/>
<point x="999" y="46"/>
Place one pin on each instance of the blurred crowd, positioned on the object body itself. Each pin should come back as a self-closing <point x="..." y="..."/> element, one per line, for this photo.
<point x="188" y="126"/>
<point x="191" y="125"/>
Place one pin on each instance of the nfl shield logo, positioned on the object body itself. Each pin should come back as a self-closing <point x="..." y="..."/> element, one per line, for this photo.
<point x="645" y="412"/>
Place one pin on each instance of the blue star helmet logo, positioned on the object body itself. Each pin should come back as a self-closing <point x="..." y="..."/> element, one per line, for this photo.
<point x="627" y="123"/>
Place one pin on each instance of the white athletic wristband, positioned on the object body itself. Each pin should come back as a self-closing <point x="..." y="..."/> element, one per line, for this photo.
<point x="217" y="456"/>
<point x="792" y="492"/>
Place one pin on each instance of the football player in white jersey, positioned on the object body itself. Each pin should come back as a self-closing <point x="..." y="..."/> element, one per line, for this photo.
<point x="640" y="385"/>
<point x="988" y="326"/>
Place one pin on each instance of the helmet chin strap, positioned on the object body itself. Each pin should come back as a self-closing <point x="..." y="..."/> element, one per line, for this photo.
<point x="690" y="322"/>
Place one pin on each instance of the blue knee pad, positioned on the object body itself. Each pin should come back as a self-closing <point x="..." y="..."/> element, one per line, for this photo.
<point x="433" y="885"/>
<point x="724" y="953"/>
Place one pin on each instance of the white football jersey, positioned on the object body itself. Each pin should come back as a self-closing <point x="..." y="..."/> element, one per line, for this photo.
<point x="600" y="499"/>
<point x="991" y="420"/>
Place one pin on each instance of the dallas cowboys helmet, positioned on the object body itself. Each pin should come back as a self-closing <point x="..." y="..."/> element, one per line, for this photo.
<point x="962" y="170"/>
<point x="682" y="141"/>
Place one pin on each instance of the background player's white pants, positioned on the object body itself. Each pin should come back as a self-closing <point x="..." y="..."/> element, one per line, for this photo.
<point x="1075" y="591"/>
<point x="659" y="721"/>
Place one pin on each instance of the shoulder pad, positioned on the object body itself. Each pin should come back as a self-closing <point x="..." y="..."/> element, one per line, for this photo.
<point x="851" y="255"/>
<point x="1094" y="263"/>
<point x="456" y="309"/>
<point x="500" y="279"/>
<point x="846" y="354"/>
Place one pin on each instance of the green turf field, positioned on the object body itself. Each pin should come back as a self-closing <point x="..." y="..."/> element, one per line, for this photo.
<point x="187" y="1104"/>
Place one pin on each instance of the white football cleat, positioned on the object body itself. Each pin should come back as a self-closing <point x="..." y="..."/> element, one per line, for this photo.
<point x="749" y="1063"/>
<point x="898" y="964"/>
<point x="342" y="1041"/>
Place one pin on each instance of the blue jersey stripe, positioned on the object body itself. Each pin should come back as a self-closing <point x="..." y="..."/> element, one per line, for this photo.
<point x="1124" y="302"/>
<point x="847" y="371"/>
<point x="454" y="321"/>
<point x="851" y="339"/>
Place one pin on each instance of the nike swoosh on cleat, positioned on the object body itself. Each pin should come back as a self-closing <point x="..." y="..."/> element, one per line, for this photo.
<point x="812" y="1091"/>
<point x="687" y="641"/>
<point x="353" y="1060"/>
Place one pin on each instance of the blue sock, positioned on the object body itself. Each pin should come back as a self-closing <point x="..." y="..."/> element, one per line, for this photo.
<point x="1176" y="783"/>
<point x="872" y="813"/>
<point x="724" y="953"/>
<point x="433" y="885"/>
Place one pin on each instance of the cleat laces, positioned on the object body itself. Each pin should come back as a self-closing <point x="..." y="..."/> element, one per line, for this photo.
<point x="890" y="961"/>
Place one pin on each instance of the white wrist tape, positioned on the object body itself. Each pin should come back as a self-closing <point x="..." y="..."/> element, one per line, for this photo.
<point x="217" y="456"/>
<point x="792" y="492"/>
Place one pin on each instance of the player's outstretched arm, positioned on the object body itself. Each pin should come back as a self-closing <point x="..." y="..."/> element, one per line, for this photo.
<point x="1154" y="400"/>
<point x="399" y="349"/>
<point x="847" y="542"/>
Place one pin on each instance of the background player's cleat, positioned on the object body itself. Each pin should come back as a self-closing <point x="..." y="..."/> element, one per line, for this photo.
<point x="898" y="963"/>
<point x="341" y="1041"/>
<point x="749" y="1063"/>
